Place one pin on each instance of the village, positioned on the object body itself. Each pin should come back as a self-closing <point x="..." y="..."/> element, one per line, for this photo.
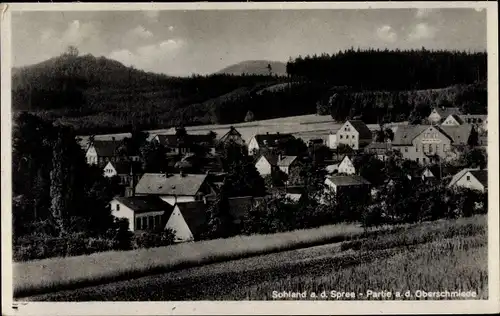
<point x="178" y="191"/>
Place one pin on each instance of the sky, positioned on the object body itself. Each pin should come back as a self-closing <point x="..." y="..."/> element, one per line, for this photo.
<point x="181" y="43"/>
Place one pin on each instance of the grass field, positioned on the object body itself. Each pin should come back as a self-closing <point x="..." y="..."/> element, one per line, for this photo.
<point x="434" y="256"/>
<point x="53" y="274"/>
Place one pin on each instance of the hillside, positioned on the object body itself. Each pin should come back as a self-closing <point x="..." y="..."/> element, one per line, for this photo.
<point x="255" y="67"/>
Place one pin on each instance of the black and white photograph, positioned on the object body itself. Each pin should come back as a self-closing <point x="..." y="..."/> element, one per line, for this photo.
<point x="250" y="152"/>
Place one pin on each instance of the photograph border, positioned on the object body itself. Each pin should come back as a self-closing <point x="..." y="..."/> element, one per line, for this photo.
<point x="250" y="307"/>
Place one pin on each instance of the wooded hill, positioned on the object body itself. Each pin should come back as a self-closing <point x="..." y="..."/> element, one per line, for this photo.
<point x="99" y="95"/>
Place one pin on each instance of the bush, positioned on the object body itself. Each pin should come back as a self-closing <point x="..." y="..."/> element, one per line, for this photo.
<point x="153" y="239"/>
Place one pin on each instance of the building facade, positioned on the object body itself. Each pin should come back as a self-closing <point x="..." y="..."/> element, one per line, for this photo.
<point x="353" y="133"/>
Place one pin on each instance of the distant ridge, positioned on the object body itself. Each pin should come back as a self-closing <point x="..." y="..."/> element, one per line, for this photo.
<point x="255" y="67"/>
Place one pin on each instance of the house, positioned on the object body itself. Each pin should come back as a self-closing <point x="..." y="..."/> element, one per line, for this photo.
<point x="348" y="184"/>
<point x="453" y="120"/>
<point x="379" y="149"/>
<point x="429" y="143"/>
<point x="471" y="178"/>
<point x="438" y="114"/>
<point x="268" y="162"/>
<point x="100" y="152"/>
<point x="142" y="212"/>
<point x="353" y="133"/>
<point x="267" y="140"/>
<point x="183" y="144"/>
<point x="123" y="169"/>
<point x="187" y="220"/>
<point x="430" y="175"/>
<point x="346" y="166"/>
<point x="231" y="136"/>
<point x="480" y="121"/>
<point x="174" y="188"/>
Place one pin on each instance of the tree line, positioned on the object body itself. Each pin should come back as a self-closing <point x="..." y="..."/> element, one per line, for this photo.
<point x="391" y="70"/>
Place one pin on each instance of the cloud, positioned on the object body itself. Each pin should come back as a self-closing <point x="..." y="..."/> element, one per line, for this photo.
<point x="140" y="32"/>
<point x="387" y="34"/>
<point x="152" y="15"/>
<point x="149" y="57"/>
<point x="422" y="31"/>
<point x="78" y="32"/>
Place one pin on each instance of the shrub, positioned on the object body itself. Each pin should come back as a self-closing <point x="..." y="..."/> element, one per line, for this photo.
<point x="153" y="239"/>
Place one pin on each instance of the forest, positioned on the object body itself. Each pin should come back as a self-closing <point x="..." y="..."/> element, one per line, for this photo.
<point x="96" y="95"/>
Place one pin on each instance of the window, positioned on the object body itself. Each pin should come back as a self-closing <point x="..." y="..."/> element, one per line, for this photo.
<point x="468" y="178"/>
<point x="144" y="222"/>
<point x="157" y="221"/>
<point x="424" y="159"/>
<point x="341" y="136"/>
<point x="418" y="159"/>
<point x="151" y="223"/>
<point x="138" y="222"/>
<point x="416" y="149"/>
<point x="117" y="207"/>
<point x="406" y="149"/>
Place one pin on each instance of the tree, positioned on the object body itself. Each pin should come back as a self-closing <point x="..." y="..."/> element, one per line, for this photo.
<point x="72" y="51"/>
<point x="249" y="117"/>
<point x="122" y="236"/>
<point x="153" y="157"/>
<point x="370" y="168"/>
<point x="219" y="220"/>
<point x="474" y="158"/>
<point x="269" y="69"/>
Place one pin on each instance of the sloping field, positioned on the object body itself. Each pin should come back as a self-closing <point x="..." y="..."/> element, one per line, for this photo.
<point x="445" y="255"/>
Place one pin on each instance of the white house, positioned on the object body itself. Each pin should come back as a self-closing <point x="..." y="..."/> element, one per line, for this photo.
<point x="99" y="152"/>
<point x="452" y="120"/>
<point x="439" y="114"/>
<point x="347" y="183"/>
<point x="174" y="188"/>
<point x="428" y="174"/>
<point x="267" y="163"/>
<point x="142" y="212"/>
<point x="471" y="178"/>
<point x="346" y="166"/>
<point x="353" y="133"/>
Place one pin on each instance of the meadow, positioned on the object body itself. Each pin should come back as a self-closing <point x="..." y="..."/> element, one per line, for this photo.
<point x="53" y="274"/>
<point x="432" y="256"/>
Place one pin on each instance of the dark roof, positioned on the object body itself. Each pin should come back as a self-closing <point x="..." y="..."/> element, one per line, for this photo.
<point x="172" y="140"/>
<point x="195" y="215"/>
<point x="458" y="118"/>
<point x="363" y="130"/>
<point x="172" y="184"/>
<point x="144" y="204"/>
<point x="348" y="180"/>
<point x="286" y="161"/>
<point x="106" y="148"/>
<point x="458" y="134"/>
<point x="481" y="176"/>
<point x="272" y="139"/>
<point x="232" y="132"/>
<point x="406" y="133"/>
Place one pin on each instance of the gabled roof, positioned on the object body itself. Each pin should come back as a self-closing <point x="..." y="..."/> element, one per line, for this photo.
<point x="286" y="161"/>
<point x="360" y="127"/>
<point x="173" y="140"/>
<point x="106" y="148"/>
<point x="445" y="112"/>
<point x="144" y="204"/>
<point x="456" y="117"/>
<point x="405" y="134"/>
<point x="172" y="184"/>
<point x="348" y="180"/>
<point x="480" y="175"/>
<point x="195" y="215"/>
<point x="458" y="134"/>
<point x="232" y="132"/>
<point x="272" y="139"/>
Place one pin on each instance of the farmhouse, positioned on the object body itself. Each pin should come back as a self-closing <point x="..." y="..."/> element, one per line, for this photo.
<point x="471" y="178"/>
<point x="439" y="114"/>
<point x="99" y="152"/>
<point x="268" y="162"/>
<point x="267" y="140"/>
<point x="353" y="133"/>
<point x="174" y="188"/>
<point x="142" y="212"/>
